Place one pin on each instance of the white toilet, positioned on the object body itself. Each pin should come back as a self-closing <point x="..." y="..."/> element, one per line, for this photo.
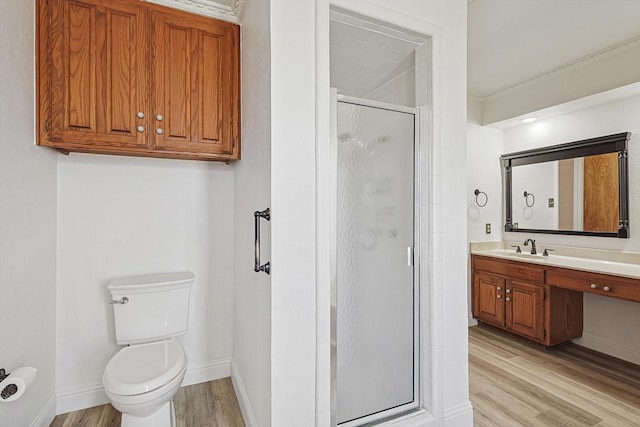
<point x="141" y="379"/>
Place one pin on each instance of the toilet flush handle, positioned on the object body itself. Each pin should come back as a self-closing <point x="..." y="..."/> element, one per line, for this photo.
<point x="122" y="300"/>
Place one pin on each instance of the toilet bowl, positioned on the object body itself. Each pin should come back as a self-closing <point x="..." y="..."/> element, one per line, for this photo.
<point x="140" y="381"/>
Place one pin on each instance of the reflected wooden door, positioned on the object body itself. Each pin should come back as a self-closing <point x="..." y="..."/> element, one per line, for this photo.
<point x="601" y="209"/>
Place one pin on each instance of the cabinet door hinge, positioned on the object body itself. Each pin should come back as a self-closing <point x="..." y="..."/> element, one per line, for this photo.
<point x="46" y="122"/>
<point x="233" y="143"/>
<point x="233" y="40"/>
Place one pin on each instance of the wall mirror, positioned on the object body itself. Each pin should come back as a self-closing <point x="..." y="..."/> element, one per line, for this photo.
<point x="578" y="188"/>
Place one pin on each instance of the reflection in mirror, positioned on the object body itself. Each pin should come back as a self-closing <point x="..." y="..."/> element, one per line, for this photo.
<point x="579" y="188"/>
<point x="581" y="194"/>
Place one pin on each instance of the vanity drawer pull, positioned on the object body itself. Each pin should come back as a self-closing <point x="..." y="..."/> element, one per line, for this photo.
<point x="594" y="286"/>
<point x="606" y="288"/>
<point x="498" y="296"/>
<point x="508" y="291"/>
<point x="507" y="299"/>
<point x="499" y="288"/>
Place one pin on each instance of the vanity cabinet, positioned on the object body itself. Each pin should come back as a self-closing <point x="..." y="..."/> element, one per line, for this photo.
<point x="595" y="283"/>
<point x="514" y="296"/>
<point x="510" y="297"/>
<point x="131" y="78"/>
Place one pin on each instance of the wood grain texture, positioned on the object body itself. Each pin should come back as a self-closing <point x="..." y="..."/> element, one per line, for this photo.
<point x="605" y="284"/>
<point x="488" y="298"/>
<point x="525" y="309"/>
<point x="100" y="62"/>
<point x="601" y="203"/>
<point x="211" y="404"/>
<point x="514" y="382"/>
<point x="512" y="269"/>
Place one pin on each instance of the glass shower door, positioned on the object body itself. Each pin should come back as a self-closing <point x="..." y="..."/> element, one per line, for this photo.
<point x="375" y="306"/>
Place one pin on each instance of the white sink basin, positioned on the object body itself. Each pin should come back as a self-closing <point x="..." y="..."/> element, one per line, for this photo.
<point x="529" y="256"/>
<point x="586" y="264"/>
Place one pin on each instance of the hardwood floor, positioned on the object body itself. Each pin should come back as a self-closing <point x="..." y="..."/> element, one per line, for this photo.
<point x="514" y="382"/>
<point x="211" y="404"/>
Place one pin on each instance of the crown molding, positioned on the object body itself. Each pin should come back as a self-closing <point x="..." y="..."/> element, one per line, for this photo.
<point x="578" y="63"/>
<point x="207" y="8"/>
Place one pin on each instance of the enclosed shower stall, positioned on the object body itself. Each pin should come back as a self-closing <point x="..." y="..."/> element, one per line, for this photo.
<point x="376" y="287"/>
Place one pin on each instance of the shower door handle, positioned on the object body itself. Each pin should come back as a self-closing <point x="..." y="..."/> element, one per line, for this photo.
<point x="257" y="215"/>
<point x="410" y="256"/>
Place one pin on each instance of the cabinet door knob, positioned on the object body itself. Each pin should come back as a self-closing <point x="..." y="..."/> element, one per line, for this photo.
<point x="499" y="288"/>
<point x="498" y="296"/>
<point x="140" y="115"/>
<point x="140" y="129"/>
<point x="594" y="286"/>
<point x="606" y="289"/>
<point x="159" y="117"/>
<point x="508" y="291"/>
<point x="507" y="299"/>
<point x="159" y="131"/>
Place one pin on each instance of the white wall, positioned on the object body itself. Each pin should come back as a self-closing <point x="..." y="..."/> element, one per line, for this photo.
<point x="444" y="254"/>
<point x="252" y="191"/>
<point x="609" y="324"/>
<point x="293" y="225"/>
<point x="399" y="90"/>
<point x="121" y="216"/>
<point x="27" y="226"/>
<point x="541" y="181"/>
<point x="484" y="147"/>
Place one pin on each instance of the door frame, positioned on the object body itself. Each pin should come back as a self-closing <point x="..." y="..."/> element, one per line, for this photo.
<point x="415" y="256"/>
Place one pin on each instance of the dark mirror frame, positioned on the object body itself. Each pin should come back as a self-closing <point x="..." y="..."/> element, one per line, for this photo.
<point x="588" y="147"/>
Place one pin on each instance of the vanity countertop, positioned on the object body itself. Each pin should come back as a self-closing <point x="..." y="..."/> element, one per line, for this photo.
<point x="623" y="269"/>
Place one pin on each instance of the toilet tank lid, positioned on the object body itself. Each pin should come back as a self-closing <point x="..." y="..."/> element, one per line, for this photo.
<point x="157" y="281"/>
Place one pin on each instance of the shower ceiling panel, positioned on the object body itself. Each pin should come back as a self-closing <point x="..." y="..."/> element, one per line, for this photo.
<point x="366" y="53"/>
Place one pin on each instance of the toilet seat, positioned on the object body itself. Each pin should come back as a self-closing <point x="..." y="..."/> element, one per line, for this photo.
<point x="141" y="368"/>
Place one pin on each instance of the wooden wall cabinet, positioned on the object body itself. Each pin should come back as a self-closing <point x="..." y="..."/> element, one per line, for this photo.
<point x="131" y="78"/>
<point x="514" y="296"/>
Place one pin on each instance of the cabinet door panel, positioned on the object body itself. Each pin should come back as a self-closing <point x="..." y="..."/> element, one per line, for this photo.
<point x="196" y="85"/>
<point x="525" y="309"/>
<point x="97" y="73"/>
<point x="488" y="299"/>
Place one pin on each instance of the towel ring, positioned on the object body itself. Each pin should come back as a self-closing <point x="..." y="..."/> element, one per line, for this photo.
<point x="526" y="199"/>
<point x="486" y="198"/>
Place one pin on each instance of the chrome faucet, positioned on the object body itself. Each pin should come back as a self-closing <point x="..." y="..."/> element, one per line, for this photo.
<point x="533" y="246"/>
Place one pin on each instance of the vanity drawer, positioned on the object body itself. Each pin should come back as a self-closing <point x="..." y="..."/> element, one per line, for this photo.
<point x="511" y="269"/>
<point x="594" y="283"/>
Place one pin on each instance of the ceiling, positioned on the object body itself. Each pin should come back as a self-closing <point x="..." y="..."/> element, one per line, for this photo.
<point x="366" y="53"/>
<point x="512" y="42"/>
<point x="228" y="10"/>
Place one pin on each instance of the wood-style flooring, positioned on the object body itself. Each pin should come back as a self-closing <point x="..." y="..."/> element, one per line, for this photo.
<point x="514" y="382"/>
<point x="211" y="404"/>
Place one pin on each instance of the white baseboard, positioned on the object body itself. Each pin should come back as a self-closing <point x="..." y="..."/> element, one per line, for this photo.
<point x="208" y="371"/>
<point x="605" y="346"/>
<point x="78" y="398"/>
<point x="459" y="416"/>
<point x="472" y="321"/>
<point x="46" y="415"/>
<point x="243" y="399"/>
<point x="91" y="395"/>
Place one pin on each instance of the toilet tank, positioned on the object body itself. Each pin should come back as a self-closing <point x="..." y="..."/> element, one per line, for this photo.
<point x="156" y="307"/>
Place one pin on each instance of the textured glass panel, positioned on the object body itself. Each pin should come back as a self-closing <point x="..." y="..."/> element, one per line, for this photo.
<point x="375" y="293"/>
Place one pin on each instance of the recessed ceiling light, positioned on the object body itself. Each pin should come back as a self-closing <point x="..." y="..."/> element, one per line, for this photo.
<point x="529" y="120"/>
